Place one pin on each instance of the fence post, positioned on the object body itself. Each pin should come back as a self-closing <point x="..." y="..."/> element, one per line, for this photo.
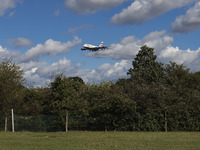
<point x="165" y="119"/>
<point x="13" y="129"/>
<point x="6" y="122"/>
<point x="66" y="123"/>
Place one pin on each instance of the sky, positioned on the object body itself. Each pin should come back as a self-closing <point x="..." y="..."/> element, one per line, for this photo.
<point x="45" y="37"/>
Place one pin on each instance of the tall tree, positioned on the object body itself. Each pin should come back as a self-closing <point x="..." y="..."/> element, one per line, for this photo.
<point x="11" y="84"/>
<point x="146" y="67"/>
<point x="147" y="75"/>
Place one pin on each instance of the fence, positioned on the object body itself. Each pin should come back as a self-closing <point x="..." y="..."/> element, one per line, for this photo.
<point x="36" y="123"/>
<point x="43" y="123"/>
<point x="57" y="122"/>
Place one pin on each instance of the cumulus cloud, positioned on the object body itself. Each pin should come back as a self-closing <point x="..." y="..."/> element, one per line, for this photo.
<point x="188" y="57"/>
<point x="142" y="10"/>
<point x="7" y="4"/>
<point x="32" y="66"/>
<point x="126" y="49"/>
<point x="2" y="49"/>
<point x="6" y="54"/>
<point x="40" y="73"/>
<point x="90" y="6"/>
<point x="50" y="47"/>
<point x="63" y="66"/>
<point x="188" y="22"/>
<point x="20" y="42"/>
<point x="29" y="69"/>
<point x="119" y="69"/>
<point x="106" y="72"/>
<point x="160" y="41"/>
<point x="129" y="46"/>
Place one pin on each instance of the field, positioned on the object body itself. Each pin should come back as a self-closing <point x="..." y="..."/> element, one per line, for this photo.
<point x="100" y="141"/>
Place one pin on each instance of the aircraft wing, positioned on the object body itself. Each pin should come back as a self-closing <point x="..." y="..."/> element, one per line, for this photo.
<point x="105" y="47"/>
<point x="90" y="49"/>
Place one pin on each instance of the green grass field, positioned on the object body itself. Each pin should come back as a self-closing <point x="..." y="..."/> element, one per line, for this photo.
<point x="100" y="141"/>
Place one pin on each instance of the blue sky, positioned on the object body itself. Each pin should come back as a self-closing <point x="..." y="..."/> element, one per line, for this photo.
<point x="44" y="37"/>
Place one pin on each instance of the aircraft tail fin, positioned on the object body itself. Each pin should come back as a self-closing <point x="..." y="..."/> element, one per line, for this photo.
<point x="101" y="44"/>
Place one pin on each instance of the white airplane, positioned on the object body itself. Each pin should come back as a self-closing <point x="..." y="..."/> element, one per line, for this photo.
<point x="93" y="47"/>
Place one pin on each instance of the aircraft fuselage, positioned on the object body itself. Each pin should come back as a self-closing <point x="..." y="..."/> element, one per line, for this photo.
<point x="93" y="47"/>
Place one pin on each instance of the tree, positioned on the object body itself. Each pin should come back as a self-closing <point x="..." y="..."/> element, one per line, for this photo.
<point x="32" y="101"/>
<point x="182" y="102"/>
<point x="146" y="76"/>
<point x="146" y="67"/>
<point x="11" y="84"/>
<point x="109" y="108"/>
<point x="64" y="93"/>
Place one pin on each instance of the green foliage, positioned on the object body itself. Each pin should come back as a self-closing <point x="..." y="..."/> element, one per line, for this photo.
<point x="11" y="87"/>
<point x="157" y="97"/>
<point x="64" y="96"/>
<point x="183" y="100"/>
<point x="109" y="108"/>
<point x="164" y="95"/>
<point x="146" y="67"/>
<point x="31" y="104"/>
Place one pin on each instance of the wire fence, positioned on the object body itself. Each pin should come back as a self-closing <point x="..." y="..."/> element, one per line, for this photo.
<point x="34" y="123"/>
<point x="45" y="122"/>
<point x="59" y="122"/>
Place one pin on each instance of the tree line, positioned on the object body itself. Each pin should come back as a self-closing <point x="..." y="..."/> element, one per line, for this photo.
<point x="155" y="97"/>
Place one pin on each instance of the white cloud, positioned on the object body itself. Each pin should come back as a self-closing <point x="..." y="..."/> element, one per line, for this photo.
<point x="159" y="40"/>
<point x="62" y="66"/>
<point x="2" y="49"/>
<point x="40" y="73"/>
<point x="91" y="6"/>
<point x="188" y="57"/>
<point x="105" y="72"/>
<point x="129" y="46"/>
<point x="118" y="70"/>
<point x="20" y="42"/>
<point x="188" y="22"/>
<point x="89" y="75"/>
<point x="6" y="54"/>
<point x="142" y="10"/>
<point x="32" y="66"/>
<point x="29" y="69"/>
<point x="126" y="49"/>
<point x="50" y="47"/>
<point x="7" y="4"/>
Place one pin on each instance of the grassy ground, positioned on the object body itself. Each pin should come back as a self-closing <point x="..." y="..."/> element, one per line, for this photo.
<point x="100" y="141"/>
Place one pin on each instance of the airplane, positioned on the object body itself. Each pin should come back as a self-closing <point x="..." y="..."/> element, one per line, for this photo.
<point x="93" y="47"/>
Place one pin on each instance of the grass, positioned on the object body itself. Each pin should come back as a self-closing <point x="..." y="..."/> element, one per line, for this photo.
<point x="100" y="141"/>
